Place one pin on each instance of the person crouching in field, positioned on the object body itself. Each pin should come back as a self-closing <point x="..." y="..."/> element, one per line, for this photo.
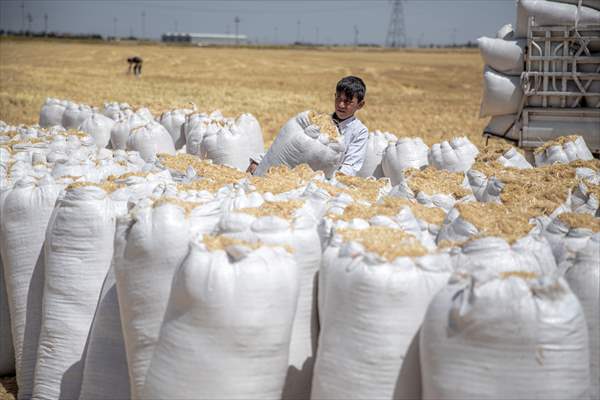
<point x="350" y="94"/>
<point x="136" y="64"/>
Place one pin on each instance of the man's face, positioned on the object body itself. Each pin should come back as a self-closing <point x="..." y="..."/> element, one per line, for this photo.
<point x="345" y="107"/>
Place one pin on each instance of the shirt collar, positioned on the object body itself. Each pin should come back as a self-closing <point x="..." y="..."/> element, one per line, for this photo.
<point x="344" y="123"/>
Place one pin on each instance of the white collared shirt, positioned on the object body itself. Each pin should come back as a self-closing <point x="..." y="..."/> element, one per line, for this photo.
<point x="356" y="136"/>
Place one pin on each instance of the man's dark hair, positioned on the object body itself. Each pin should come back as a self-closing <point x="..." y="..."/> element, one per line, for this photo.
<point x="352" y="86"/>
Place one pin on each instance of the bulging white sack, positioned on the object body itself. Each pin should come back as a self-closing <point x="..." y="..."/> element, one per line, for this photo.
<point x="502" y="94"/>
<point x="501" y="125"/>
<point x="568" y="233"/>
<point x="505" y="56"/>
<point x="99" y="127"/>
<point x="150" y="140"/>
<point x="227" y="328"/>
<point x="493" y="335"/>
<point x="172" y="121"/>
<point x="301" y="141"/>
<point x="7" y="351"/>
<point x="149" y="245"/>
<point x="51" y="113"/>
<point x="370" y="316"/>
<point x="298" y="232"/>
<point x="77" y="255"/>
<point x="563" y="151"/>
<point x="552" y="13"/>
<point x="405" y="153"/>
<point x="505" y="32"/>
<point x="595" y="4"/>
<point x="122" y="128"/>
<point x="583" y="276"/>
<point x="26" y="211"/>
<point x="584" y="200"/>
<point x="456" y="155"/>
<point x="105" y="374"/>
<point x="74" y="115"/>
<point x="233" y="145"/>
<point x="376" y="148"/>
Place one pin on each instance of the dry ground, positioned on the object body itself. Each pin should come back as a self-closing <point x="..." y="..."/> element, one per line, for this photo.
<point x="431" y="94"/>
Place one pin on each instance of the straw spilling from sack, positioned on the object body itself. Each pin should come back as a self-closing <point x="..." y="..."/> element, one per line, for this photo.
<point x="386" y="242"/>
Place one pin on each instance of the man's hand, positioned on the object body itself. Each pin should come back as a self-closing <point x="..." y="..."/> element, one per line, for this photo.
<point x="252" y="167"/>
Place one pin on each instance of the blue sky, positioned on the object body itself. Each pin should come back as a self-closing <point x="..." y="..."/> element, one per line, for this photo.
<point x="267" y="21"/>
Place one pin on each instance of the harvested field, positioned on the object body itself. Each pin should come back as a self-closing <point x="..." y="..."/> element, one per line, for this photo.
<point x="434" y="94"/>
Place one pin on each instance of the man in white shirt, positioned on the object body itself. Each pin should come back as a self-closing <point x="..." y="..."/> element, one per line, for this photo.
<point x="349" y="98"/>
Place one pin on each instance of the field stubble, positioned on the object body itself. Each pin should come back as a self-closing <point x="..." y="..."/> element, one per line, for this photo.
<point x="431" y="94"/>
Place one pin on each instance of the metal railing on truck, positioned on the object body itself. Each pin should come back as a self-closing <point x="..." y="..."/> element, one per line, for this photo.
<point x="561" y="87"/>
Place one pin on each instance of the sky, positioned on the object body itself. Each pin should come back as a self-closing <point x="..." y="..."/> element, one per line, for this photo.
<point x="266" y="21"/>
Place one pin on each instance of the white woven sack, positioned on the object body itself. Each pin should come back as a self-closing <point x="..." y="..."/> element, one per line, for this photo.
<point x="300" y="234"/>
<point x="149" y="245"/>
<point x="370" y="314"/>
<point x="227" y="328"/>
<point x="552" y="13"/>
<point x="376" y="148"/>
<point x="513" y="159"/>
<point x="439" y="200"/>
<point x="26" y="210"/>
<point x="502" y="94"/>
<point x="74" y="115"/>
<point x="564" y="239"/>
<point x="563" y="154"/>
<point x="487" y="336"/>
<point x="82" y="227"/>
<point x="583" y="275"/>
<point x="7" y="351"/>
<point x="227" y="146"/>
<point x="146" y="114"/>
<point x="584" y="200"/>
<point x="531" y="254"/>
<point x="51" y="113"/>
<point x="299" y="142"/>
<point x="172" y="121"/>
<point x="595" y="4"/>
<point x="505" y="32"/>
<point x="99" y="127"/>
<point x="502" y="125"/>
<point x="105" y="374"/>
<point x="122" y="129"/>
<point x="150" y="140"/>
<point x="405" y="153"/>
<point x="248" y="124"/>
<point x="456" y="155"/>
<point x="505" y="56"/>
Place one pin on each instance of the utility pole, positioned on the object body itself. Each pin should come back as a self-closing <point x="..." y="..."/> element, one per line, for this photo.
<point x="298" y="32"/>
<point x="115" y="27"/>
<point x="29" y="21"/>
<point x="130" y="31"/>
<point x="453" y="37"/>
<point x="317" y="35"/>
<point x="45" y="24"/>
<point x="275" y="35"/>
<point x="23" y="16"/>
<point x="396" y="35"/>
<point x="143" y="24"/>
<point x="237" y="24"/>
<point x="355" y="36"/>
<point x="176" y="26"/>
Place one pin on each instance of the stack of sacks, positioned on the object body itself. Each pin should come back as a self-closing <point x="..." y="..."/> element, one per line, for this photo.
<point x="225" y="141"/>
<point x="405" y="153"/>
<point x="309" y="138"/>
<point x="52" y="112"/>
<point x="569" y="232"/>
<point x="292" y="224"/>
<point x="150" y="140"/>
<point x="229" y="316"/>
<point x="7" y="351"/>
<point x="537" y="191"/>
<point x="124" y="126"/>
<point x="585" y="197"/>
<point x="116" y="111"/>
<point x="374" y="287"/>
<point x="509" y="334"/>
<point x="456" y="155"/>
<point x="99" y="127"/>
<point x="562" y="150"/>
<point x="433" y="187"/>
<point x="82" y="226"/>
<point x="555" y="12"/>
<point x="376" y="148"/>
<point x="75" y="114"/>
<point x="173" y="121"/>
<point x="394" y="212"/>
<point x="507" y="235"/>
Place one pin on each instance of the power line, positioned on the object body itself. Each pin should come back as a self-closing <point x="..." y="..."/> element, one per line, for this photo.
<point x="144" y="24"/>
